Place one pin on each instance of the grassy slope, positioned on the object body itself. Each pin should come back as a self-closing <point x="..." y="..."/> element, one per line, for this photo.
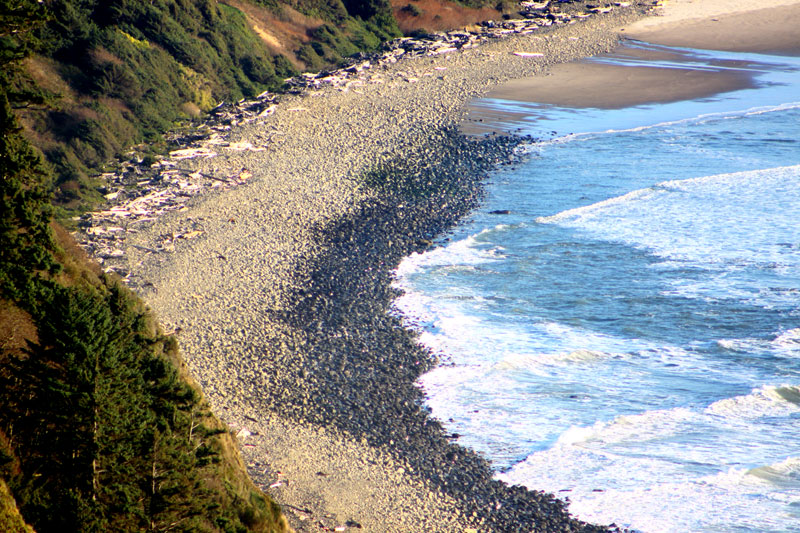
<point x="106" y="75"/>
<point x="10" y="518"/>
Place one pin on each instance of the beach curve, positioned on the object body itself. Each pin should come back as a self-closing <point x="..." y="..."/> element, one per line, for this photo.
<point x="299" y="355"/>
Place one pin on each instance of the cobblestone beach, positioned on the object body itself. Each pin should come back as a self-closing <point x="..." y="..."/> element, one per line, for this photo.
<point x="280" y="299"/>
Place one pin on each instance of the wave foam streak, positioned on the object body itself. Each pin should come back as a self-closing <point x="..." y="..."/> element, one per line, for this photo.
<point x="629" y="335"/>
<point x="646" y="471"/>
<point x="727" y="224"/>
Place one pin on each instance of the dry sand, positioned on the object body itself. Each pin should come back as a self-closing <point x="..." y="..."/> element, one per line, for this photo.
<point x="764" y="26"/>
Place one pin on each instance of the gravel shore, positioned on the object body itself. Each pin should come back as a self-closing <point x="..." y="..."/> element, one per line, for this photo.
<point x="282" y="304"/>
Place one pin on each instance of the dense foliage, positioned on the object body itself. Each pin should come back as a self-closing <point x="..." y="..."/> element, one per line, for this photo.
<point x="113" y="73"/>
<point x="99" y="430"/>
<point x="105" y="433"/>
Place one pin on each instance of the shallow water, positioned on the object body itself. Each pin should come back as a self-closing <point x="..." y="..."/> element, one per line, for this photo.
<point x="628" y="337"/>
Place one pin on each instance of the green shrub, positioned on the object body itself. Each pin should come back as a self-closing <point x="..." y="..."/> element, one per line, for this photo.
<point x="412" y="10"/>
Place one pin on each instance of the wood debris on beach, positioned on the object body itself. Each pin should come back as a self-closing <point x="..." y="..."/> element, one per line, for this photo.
<point x="138" y="192"/>
<point x="138" y="196"/>
<point x="534" y="15"/>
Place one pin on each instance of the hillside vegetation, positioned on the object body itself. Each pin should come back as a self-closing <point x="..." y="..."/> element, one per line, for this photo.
<point x="100" y="427"/>
<point x="105" y="75"/>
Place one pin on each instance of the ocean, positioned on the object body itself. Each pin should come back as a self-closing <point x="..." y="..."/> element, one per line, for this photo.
<point x="627" y="336"/>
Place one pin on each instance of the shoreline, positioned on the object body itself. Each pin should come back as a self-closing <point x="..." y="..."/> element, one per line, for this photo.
<point x="299" y="355"/>
<point x="727" y="25"/>
<point x="586" y="84"/>
<point x="723" y="25"/>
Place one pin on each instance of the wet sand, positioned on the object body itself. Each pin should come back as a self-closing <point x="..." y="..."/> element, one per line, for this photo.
<point x="720" y="25"/>
<point x="608" y="86"/>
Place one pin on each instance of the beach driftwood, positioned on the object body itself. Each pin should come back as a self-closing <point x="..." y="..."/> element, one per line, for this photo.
<point x="534" y="15"/>
<point x="138" y="193"/>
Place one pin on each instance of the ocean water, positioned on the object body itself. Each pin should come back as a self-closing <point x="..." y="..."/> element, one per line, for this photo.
<point x="628" y="337"/>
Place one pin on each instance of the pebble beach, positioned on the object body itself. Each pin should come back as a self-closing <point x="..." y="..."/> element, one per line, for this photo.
<point x="281" y="300"/>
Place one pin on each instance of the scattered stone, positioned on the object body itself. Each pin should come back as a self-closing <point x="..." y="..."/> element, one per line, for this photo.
<point x="535" y="15"/>
<point x="295" y="325"/>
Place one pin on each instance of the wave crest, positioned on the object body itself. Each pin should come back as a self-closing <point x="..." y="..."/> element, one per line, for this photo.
<point x="785" y="474"/>
<point x="765" y="401"/>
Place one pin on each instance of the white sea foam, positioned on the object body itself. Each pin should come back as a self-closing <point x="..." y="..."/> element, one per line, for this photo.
<point x="572" y="215"/>
<point x="463" y="252"/>
<point x="692" y="506"/>
<point x="639" y="427"/>
<point x="743" y="345"/>
<point x="765" y="401"/>
<point x="528" y="361"/>
<point x="789" y="340"/>
<point x="585" y="118"/>
<point x="632" y="397"/>
<point x="783" y="474"/>
<point x="653" y="495"/>
<point x="776" y="483"/>
<point x="767" y="109"/>
<point x="784" y="344"/>
<point x="721" y="221"/>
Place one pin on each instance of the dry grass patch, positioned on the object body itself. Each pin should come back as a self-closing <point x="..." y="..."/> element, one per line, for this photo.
<point x="282" y="33"/>
<point x="16" y="329"/>
<point x="438" y="15"/>
<point x="43" y="71"/>
<point x="10" y="518"/>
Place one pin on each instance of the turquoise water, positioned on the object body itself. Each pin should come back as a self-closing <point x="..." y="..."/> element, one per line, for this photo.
<point x="628" y="337"/>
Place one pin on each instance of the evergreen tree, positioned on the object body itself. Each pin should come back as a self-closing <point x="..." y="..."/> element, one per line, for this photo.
<point x="25" y="239"/>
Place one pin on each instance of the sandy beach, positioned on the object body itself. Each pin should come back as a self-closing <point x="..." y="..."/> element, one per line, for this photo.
<point x="586" y="85"/>
<point x="765" y="27"/>
<point x="282" y="303"/>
